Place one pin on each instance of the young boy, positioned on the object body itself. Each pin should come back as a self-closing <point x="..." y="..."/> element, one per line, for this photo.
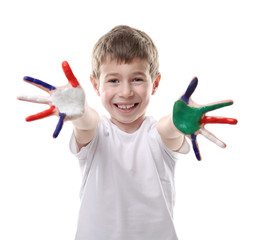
<point x="128" y="186"/>
<point x="127" y="162"/>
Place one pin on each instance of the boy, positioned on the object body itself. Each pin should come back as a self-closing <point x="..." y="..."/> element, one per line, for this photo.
<point x="128" y="183"/>
<point x="127" y="161"/>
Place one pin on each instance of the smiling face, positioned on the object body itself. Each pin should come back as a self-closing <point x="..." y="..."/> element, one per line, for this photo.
<point x="125" y="91"/>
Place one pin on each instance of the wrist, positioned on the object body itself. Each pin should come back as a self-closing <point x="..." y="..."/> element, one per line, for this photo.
<point x="88" y="120"/>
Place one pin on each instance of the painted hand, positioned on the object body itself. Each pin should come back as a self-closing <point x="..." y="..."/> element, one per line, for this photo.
<point x="67" y="102"/>
<point x="190" y="119"/>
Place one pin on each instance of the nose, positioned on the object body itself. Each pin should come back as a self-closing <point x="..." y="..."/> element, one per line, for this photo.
<point x="126" y="90"/>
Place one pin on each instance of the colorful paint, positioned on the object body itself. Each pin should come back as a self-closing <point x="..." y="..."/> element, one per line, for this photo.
<point x="58" y="128"/>
<point x="69" y="74"/>
<point x="39" y="83"/>
<point x="191" y="120"/>
<point x="41" y="115"/>
<point x="66" y="101"/>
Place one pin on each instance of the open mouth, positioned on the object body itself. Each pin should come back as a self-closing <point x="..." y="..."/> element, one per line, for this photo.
<point x="126" y="107"/>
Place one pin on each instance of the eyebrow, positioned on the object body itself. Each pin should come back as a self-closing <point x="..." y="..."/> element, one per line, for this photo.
<point x="112" y="75"/>
<point x="139" y="73"/>
<point x="117" y="74"/>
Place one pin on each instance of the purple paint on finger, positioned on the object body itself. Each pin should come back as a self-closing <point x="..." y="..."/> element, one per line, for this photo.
<point x="39" y="82"/>
<point x="195" y="146"/>
<point x="189" y="91"/>
<point x="59" y="125"/>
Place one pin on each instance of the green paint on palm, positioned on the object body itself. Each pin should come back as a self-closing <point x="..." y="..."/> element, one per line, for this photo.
<point x="187" y="119"/>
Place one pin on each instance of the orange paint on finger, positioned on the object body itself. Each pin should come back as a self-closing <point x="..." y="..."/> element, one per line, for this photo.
<point x="221" y="120"/>
<point x="41" y="115"/>
<point x="69" y="74"/>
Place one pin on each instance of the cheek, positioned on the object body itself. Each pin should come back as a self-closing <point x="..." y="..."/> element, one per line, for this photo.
<point x="145" y="93"/>
<point x="106" y="96"/>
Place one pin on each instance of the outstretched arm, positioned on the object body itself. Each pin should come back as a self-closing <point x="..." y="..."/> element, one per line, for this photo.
<point x="189" y="118"/>
<point x="85" y="127"/>
<point x="68" y="103"/>
<point x="170" y="135"/>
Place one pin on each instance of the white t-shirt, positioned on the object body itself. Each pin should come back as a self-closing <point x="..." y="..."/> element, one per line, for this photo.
<point x="127" y="190"/>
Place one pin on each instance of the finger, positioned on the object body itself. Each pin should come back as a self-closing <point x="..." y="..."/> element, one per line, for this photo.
<point x="189" y="91"/>
<point x="195" y="146"/>
<point x="38" y="83"/>
<point x="221" y="120"/>
<point x="34" y="99"/>
<point x="59" y="125"/>
<point x="41" y="115"/>
<point x="212" y="138"/>
<point x="69" y="74"/>
<point x="215" y="106"/>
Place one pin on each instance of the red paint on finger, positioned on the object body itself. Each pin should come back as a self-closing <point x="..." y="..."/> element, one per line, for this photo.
<point x="220" y="120"/>
<point x="69" y="74"/>
<point x="41" y="115"/>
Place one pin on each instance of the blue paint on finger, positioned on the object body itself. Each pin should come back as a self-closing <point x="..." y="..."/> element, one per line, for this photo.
<point x="195" y="146"/>
<point x="39" y="82"/>
<point x="189" y="91"/>
<point x="59" y="125"/>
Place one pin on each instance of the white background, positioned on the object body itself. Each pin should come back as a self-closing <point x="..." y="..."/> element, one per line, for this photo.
<point x="39" y="178"/>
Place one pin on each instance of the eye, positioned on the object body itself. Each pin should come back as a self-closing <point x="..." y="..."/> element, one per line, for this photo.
<point x="138" y="80"/>
<point x="113" y="81"/>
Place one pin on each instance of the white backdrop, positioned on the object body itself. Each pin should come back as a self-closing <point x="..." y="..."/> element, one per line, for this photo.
<point x="39" y="178"/>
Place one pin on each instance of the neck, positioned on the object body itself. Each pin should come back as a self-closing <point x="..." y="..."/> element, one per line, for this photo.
<point x="129" y="127"/>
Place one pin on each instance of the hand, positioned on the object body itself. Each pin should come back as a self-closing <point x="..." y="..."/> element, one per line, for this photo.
<point x="190" y="119"/>
<point x="67" y="102"/>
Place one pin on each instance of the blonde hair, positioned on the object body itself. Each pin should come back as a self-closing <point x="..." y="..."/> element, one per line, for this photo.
<point x="123" y="44"/>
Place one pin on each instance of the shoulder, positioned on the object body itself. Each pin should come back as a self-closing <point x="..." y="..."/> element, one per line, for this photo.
<point x="156" y="140"/>
<point x="102" y="128"/>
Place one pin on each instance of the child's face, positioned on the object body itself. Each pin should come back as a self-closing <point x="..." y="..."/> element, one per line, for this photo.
<point x="125" y="91"/>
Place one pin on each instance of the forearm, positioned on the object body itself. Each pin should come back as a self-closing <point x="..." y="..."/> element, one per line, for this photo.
<point x="86" y="126"/>
<point x="170" y="135"/>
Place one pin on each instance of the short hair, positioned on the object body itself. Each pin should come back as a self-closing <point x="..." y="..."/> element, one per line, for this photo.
<point x="123" y="44"/>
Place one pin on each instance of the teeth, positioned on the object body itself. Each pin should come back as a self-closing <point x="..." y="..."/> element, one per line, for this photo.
<point x="125" y="106"/>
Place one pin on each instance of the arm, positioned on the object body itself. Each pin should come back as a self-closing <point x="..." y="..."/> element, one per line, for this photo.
<point x="170" y="135"/>
<point x="85" y="126"/>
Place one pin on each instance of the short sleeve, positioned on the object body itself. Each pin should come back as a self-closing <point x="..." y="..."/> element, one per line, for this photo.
<point x="84" y="151"/>
<point x="74" y="148"/>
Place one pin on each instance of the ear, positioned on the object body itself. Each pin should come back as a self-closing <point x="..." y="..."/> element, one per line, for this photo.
<point x="95" y="84"/>
<point x="156" y="83"/>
